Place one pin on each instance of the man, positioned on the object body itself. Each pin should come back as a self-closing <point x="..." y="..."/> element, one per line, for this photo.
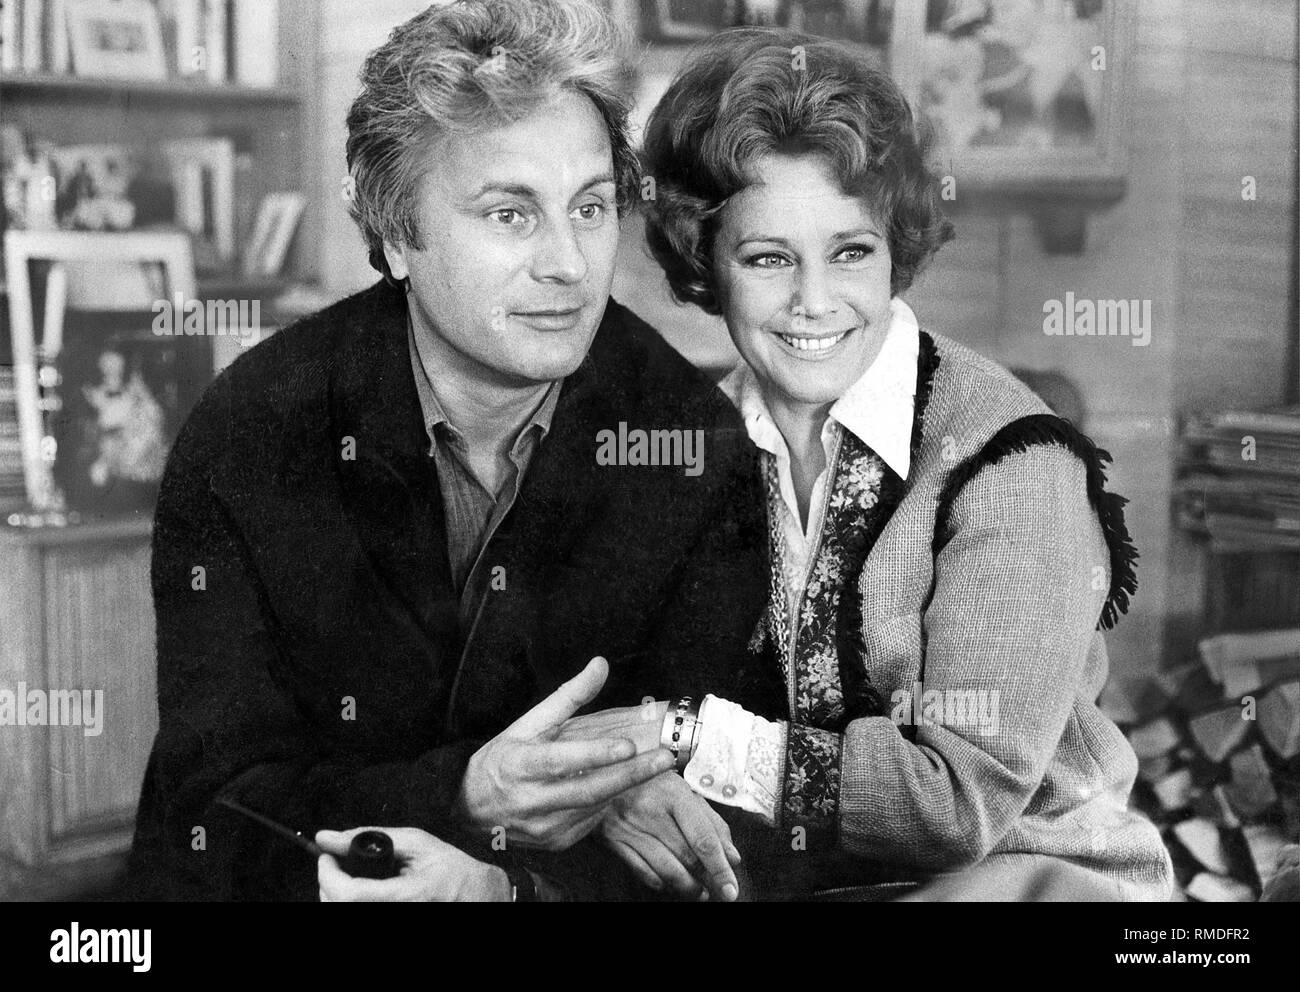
<point x="386" y="533"/>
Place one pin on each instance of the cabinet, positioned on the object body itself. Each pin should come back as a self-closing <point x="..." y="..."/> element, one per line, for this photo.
<point x="75" y="614"/>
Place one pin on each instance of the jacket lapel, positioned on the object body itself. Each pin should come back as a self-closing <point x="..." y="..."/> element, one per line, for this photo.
<point x="560" y="492"/>
<point x="389" y="482"/>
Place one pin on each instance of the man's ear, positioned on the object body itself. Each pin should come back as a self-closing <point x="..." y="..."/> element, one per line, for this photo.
<point x="396" y="258"/>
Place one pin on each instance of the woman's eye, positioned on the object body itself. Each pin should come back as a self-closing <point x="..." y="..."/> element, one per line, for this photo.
<point x="590" y="211"/>
<point x="768" y="260"/>
<point x="856" y="253"/>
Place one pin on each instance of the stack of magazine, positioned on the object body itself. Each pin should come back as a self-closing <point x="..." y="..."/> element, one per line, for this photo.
<point x="1239" y="479"/>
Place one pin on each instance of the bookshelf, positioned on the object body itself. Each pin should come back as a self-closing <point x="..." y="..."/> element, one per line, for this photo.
<point x="75" y="603"/>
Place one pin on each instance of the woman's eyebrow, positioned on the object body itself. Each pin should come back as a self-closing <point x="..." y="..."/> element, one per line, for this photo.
<point x="856" y="232"/>
<point x="769" y="238"/>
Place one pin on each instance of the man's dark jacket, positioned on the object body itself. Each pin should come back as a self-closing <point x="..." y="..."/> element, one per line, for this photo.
<point x="310" y="663"/>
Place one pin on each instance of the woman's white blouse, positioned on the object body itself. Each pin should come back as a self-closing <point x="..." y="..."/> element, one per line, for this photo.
<point x="737" y="761"/>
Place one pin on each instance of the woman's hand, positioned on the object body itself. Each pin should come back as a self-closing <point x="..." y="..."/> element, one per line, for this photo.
<point x="667" y="835"/>
<point x="639" y="724"/>
<point x="432" y="871"/>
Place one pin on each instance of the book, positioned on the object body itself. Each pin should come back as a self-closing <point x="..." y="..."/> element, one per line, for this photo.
<point x="191" y="57"/>
<point x="214" y="26"/>
<point x="10" y="35"/>
<point x="256" y="48"/>
<point x="33" y="34"/>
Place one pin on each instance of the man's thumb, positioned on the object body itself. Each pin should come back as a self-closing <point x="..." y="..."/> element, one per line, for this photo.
<point x="564" y="701"/>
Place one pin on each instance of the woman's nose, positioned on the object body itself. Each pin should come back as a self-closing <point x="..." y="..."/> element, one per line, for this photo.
<point x="813" y="294"/>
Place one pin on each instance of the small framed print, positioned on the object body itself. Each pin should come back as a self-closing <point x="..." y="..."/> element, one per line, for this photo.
<point x="99" y="395"/>
<point x="116" y="39"/>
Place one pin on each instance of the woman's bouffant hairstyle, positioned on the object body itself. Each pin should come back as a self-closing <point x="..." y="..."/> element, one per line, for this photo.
<point x="467" y="66"/>
<point x="753" y="91"/>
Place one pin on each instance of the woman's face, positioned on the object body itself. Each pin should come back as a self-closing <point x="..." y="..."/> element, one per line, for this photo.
<point x="802" y="274"/>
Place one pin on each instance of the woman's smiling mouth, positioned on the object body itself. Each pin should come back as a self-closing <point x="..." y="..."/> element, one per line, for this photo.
<point x="805" y="344"/>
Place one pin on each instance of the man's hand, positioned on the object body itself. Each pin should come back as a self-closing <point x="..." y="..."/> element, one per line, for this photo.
<point x="639" y="724"/>
<point x="667" y="835"/>
<point x="550" y="793"/>
<point x="432" y="871"/>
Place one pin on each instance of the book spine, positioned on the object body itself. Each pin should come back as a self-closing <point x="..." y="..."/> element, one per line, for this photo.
<point x="215" y="24"/>
<point x="256" y="33"/>
<point x="60" y="61"/>
<point x="9" y="43"/>
<point x="190" y="57"/>
<point x="33" y="20"/>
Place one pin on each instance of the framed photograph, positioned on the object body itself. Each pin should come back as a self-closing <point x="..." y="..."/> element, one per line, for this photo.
<point x="93" y="184"/>
<point x="1020" y="94"/>
<point x="99" y="394"/>
<point x="1025" y="92"/>
<point x="203" y="178"/>
<point x="116" y="39"/>
<point x="268" y="247"/>
<point x="666" y="29"/>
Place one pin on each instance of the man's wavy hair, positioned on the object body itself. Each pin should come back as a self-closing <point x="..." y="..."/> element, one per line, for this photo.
<point x="752" y="91"/>
<point x="464" y="67"/>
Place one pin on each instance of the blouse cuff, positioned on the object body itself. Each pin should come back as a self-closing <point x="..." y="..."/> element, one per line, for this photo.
<point x="737" y="760"/>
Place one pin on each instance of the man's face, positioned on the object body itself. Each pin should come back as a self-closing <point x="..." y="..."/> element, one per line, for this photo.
<point x="520" y="230"/>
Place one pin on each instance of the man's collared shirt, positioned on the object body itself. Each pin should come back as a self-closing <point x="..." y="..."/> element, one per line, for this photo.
<point x="472" y="513"/>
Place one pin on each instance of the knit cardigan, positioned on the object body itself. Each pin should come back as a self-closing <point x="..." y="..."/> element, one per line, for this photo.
<point x="990" y="571"/>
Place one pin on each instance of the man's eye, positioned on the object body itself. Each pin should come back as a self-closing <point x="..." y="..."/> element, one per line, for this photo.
<point x="768" y="260"/>
<point x="507" y="215"/>
<point x="856" y="253"/>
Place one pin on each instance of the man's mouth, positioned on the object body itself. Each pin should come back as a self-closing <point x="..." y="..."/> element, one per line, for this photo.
<point x="811" y="344"/>
<point x="550" y="318"/>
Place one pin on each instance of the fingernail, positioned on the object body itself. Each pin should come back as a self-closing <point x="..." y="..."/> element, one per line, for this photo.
<point x="730" y="892"/>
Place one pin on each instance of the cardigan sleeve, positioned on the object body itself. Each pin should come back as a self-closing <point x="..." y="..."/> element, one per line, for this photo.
<point x="1018" y="589"/>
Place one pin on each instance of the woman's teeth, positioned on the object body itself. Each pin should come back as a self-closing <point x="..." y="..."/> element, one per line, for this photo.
<point x="813" y="344"/>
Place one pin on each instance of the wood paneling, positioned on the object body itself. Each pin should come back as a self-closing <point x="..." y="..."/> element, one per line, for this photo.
<point x="76" y="613"/>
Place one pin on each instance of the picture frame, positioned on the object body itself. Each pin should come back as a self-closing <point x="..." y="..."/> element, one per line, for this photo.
<point x="116" y="39"/>
<point x="968" y="67"/>
<point x="48" y="407"/>
<point x="203" y="177"/>
<point x="1026" y="95"/>
<point x="273" y="231"/>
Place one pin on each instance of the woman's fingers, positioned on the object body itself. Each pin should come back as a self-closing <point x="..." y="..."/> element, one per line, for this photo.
<point x="662" y="861"/>
<point x="640" y="868"/>
<point x="707" y="843"/>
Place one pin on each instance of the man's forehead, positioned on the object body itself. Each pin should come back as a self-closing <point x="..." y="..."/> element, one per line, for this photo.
<point x="561" y="146"/>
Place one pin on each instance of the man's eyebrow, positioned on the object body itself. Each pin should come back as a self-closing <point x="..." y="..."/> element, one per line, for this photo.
<point x="527" y="192"/>
<point x="511" y="189"/>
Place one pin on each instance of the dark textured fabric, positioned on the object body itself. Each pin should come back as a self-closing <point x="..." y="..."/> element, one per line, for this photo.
<point x="472" y="513"/>
<point x="302" y="487"/>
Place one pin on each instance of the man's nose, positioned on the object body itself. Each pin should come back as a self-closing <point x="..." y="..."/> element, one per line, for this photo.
<point x="559" y="257"/>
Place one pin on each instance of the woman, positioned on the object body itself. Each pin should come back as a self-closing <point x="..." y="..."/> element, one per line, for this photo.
<point x="944" y="553"/>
